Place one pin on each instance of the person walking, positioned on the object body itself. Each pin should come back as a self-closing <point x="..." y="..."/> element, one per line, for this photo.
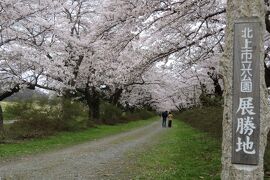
<point x="170" y="118"/>
<point x="164" y="118"/>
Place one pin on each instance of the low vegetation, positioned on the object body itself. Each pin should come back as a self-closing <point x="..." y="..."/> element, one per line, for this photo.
<point x="42" y="117"/>
<point x="64" y="139"/>
<point x="7" y="114"/>
<point x="111" y="114"/>
<point x="182" y="153"/>
<point x="209" y="119"/>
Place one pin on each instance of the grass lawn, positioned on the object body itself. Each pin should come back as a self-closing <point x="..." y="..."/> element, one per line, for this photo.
<point x="182" y="153"/>
<point x="65" y="139"/>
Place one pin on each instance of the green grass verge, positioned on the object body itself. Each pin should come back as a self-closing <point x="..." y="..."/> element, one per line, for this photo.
<point x="65" y="139"/>
<point x="182" y="153"/>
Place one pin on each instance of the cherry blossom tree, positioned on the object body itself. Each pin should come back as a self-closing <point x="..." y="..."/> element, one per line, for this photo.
<point x="76" y="47"/>
<point x="17" y="68"/>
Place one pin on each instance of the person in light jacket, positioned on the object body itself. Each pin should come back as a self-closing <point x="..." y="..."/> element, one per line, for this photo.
<point x="170" y="118"/>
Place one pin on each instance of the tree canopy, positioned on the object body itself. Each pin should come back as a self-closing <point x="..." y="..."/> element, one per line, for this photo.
<point x="162" y="54"/>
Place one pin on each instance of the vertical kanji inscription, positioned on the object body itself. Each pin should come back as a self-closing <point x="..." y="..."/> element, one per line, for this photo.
<point x="246" y="92"/>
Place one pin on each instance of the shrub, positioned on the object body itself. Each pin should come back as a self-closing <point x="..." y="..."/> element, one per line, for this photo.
<point x="73" y="115"/>
<point x="211" y="100"/>
<point x="207" y="119"/>
<point x="16" y="109"/>
<point x="139" y="114"/>
<point x="2" y="136"/>
<point x="110" y="114"/>
<point x="43" y="118"/>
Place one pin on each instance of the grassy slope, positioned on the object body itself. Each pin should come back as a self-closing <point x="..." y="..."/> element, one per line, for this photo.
<point x="65" y="139"/>
<point x="209" y="119"/>
<point x="182" y="153"/>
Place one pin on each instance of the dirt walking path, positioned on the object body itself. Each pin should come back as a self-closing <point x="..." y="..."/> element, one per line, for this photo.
<point x="10" y="121"/>
<point x="95" y="160"/>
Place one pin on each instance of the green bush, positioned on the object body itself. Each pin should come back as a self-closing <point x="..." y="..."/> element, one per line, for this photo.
<point x="139" y="114"/>
<point x="2" y="136"/>
<point x="211" y="100"/>
<point x="73" y="115"/>
<point x="43" y="118"/>
<point x="144" y="114"/>
<point x="38" y="125"/>
<point x="207" y="119"/>
<point x="15" y="110"/>
<point x="7" y="114"/>
<point x="110" y="114"/>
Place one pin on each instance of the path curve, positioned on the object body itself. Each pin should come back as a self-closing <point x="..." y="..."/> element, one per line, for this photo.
<point x="10" y="121"/>
<point x="101" y="159"/>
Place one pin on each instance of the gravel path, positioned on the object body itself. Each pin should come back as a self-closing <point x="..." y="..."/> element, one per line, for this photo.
<point x="101" y="159"/>
<point x="10" y="121"/>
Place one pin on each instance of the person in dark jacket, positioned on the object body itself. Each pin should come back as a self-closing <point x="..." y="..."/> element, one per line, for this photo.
<point x="164" y="118"/>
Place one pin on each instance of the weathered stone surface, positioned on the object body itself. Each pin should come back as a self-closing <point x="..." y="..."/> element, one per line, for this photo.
<point x="235" y="10"/>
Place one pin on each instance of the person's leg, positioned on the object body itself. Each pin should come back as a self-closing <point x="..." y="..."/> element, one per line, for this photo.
<point x="170" y="124"/>
<point x="163" y="122"/>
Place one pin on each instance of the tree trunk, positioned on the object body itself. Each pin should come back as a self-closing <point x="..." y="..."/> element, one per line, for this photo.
<point x="235" y="10"/>
<point x="10" y="92"/>
<point x="116" y="97"/>
<point x="93" y="103"/>
<point x="66" y="104"/>
<point x="90" y="122"/>
<point x="267" y="75"/>
<point x="1" y="119"/>
<point x="95" y="106"/>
